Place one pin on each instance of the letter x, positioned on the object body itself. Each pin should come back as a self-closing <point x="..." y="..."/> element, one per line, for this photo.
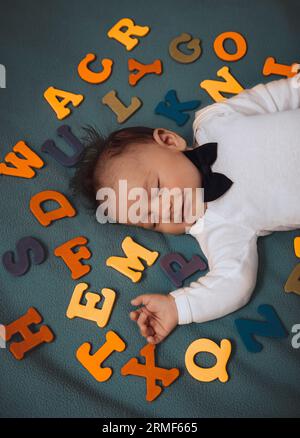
<point x="150" y="372"/>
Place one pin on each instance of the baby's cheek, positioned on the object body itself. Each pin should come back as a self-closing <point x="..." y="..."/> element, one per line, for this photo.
<point x="172" y="228"/>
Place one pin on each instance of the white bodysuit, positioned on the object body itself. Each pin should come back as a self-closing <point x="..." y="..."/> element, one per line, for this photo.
<point x="258" y="136"/>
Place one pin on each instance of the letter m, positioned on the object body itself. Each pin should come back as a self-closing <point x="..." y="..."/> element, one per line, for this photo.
<point x="131" y="265"/>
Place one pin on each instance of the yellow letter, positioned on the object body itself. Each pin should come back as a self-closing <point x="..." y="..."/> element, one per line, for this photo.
<point x="125" y="37"/>
<point x="89" y="310"/>
<point x="214" y="87"/>
<point x="133" y="252"/>
<point x="59" y="106"/>
<point x="218" y="371"/>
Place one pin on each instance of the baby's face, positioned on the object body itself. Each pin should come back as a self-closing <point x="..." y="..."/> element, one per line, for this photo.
<point x="159" y="165"/>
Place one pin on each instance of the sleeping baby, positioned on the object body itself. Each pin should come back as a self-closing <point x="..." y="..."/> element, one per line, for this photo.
<point x="243" y="171"/>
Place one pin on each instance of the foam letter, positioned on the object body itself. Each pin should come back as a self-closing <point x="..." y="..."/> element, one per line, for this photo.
<point x="30" y="339"/>
<point x="173" y="109"/>
<point x="93" y="363"/>
<point x="193" y="44"/>
<point x="142" y="70"/>
<point x="122" y="112"/>
<point x="71" y="259"/>
<point x="130" y="264"/>
<point x="22" y="166"/>
<point x="214" y="87"/>
<point x="60" y="106"/>
<point x="91" y="77"/>
<point x="45" y="218"/>
<point x="293" y="282"/>
<point x="222" y="354"/>
<point x="240" y="42"/>
<point x="297" y="246"/>
<point x="125" y="37"/>
<point x="89" y="310"/>
<point x="186" y="268"/>
<point x="150" y="371"/>
<point x="273" y="68"/>
<point x="272" y="328"/>
<point x="23" y="246"/>
<point x="50" y="147"/>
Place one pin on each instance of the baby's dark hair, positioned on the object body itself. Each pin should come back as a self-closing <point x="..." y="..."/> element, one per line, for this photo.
<point x="97" y="147"/>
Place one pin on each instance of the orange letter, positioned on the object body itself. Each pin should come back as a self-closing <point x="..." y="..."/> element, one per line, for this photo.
<point x="30" y="339"/>
<point x="71" y="259"/>
<point x="150" y="371"/>
<point x="142" y="69"/>
<point x="125" y="37"/>
<point x="88" y="75"/>
<point x="46" y="218"/>
<point x="89" y="310"/>
<point x="22" y="166"/>
<point x="60" y="106"/>
<point x="214" y="87"/>
<point x="271" y="67"/>
<point x="240" y="42"/>
<point x="93" y="363"/>
<point x="133" y="252"/>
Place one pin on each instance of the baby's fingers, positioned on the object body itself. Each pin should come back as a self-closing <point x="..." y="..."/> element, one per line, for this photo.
<point x="145" y="328"/>
<point x="135" y="314"/>
<point x="154" y="339"/>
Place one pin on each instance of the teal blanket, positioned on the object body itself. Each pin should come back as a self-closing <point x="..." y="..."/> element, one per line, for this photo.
<point x="41" y="47"/>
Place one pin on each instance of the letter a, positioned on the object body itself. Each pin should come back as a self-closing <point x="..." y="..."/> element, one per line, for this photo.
<point x="60" y="106"/>
<point x="222" y="354"/>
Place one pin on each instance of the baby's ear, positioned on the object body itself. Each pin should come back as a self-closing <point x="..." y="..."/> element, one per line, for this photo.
<point x="170" y="139"/>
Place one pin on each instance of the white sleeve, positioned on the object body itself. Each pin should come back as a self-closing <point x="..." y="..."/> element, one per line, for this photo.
<point x="232" y="257"/>
<point x="278" y="95"/>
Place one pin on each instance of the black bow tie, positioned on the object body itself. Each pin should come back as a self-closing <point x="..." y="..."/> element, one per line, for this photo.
<point x="214" y="184"/>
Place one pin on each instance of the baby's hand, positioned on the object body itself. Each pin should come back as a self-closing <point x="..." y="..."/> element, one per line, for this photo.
<point x="157" y="318"/>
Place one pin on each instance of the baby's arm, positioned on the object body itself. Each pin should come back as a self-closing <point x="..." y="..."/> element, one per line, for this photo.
<point x="278" y="95"/>
<point x="232" y="258"/>
<point x="233" y="261"/>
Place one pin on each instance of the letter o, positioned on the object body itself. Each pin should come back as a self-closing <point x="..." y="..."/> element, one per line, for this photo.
<point x="240" y="42"/>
